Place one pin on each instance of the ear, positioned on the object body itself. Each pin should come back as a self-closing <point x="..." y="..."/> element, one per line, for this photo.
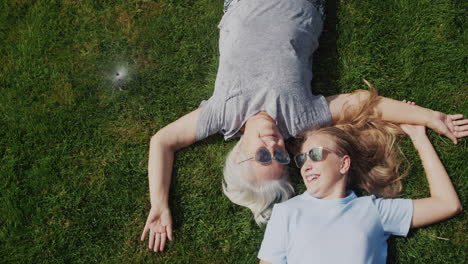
<point x="345" y="164"/>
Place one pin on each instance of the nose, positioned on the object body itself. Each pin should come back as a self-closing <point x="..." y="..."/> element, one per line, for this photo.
<point x="270" y="140"/>
<point x="272" y="146"/>
<point x="308" y="164"/>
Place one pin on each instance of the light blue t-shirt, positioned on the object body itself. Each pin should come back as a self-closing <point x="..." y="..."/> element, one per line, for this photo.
<point x="353" y="229"/>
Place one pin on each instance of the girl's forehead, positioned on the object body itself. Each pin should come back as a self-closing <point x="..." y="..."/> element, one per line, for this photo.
<point x="318" y="140"/>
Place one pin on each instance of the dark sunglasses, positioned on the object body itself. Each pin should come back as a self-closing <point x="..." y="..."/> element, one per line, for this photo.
<point x="315" y="154"/>
<point x="263" y="156"/>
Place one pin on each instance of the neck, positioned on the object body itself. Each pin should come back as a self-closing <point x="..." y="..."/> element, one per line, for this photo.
<point x="265" y="115"/>
<point x="258" y="117"/>
<point x="335" y="195"/>
<point x="337" y="192"/>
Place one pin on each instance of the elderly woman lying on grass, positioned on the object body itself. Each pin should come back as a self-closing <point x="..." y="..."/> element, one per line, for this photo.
<point x="263" y="95"/>
<point x="328" y="223"/>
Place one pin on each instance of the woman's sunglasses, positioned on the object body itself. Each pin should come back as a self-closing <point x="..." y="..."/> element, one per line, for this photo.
<point x="263" y="156"/>
<point x="315" y="154"/>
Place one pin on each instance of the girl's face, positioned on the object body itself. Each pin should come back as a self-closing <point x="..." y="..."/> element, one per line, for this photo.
<point x="325" y="179"/>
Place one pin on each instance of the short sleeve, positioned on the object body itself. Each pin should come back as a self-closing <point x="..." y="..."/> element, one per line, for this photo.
<point x="274" y="244"/>
<point x="209" y="121"/>
<point x="395" y="215"/>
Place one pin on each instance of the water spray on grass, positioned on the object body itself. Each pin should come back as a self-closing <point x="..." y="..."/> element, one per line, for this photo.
<point x="120" y="75"/>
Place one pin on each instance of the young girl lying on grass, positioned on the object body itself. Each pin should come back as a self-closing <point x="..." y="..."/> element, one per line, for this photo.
<point x="328" y="223"/>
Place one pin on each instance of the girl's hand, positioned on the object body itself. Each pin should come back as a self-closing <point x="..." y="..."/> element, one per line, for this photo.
<point x="451" y="126"/>
<point x="159" y="226"/>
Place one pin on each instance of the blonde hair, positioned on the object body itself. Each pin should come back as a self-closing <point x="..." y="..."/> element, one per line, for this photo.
<point x="372" y="146"/>
<point x="259" y="197"/>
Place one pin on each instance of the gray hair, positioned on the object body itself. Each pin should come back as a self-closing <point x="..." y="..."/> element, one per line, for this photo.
<point x="258" y="197"/>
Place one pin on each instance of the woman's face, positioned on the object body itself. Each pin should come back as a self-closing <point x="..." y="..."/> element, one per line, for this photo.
<point x="261" y="131"/>
<point x="324" y="179"/>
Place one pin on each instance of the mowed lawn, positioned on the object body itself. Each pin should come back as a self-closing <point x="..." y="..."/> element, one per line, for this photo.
<point x="74" y="141"/>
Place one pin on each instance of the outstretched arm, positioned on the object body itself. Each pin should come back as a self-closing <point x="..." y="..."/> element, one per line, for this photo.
<point x="451" y="126"/>
<point x="443" y="202"/>
<point x="164" y="143"/>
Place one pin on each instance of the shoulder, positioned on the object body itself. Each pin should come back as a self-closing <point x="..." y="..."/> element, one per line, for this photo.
<point x="209" y="120"/>
<point x="395" y="214"/>
<point x="384" y="203"/>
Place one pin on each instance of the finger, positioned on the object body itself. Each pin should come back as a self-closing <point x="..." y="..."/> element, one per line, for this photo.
<point x="461" y="128"/>
<point x="151" y="240"/>
<point x="163" y="241"/>
<point x="169" y="232"/>
<point x="145" y="231"/>
<point x="452" y="137"/>
<point x="158" y="240"/>
<point x="460" y="122"/>
<point x="462" y="134"/>
<point x="404" y="100"/>
<point x="455" y="117"/>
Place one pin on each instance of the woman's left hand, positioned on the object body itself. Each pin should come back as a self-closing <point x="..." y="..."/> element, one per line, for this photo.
<point x="451" y="126"/>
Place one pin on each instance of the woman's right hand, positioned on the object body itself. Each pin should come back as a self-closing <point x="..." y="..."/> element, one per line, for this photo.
<point x="159" y="226"/>
<point x="178" y="134"/>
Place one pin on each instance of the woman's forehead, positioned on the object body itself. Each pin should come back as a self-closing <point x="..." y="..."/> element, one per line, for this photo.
<point x="318" y="140"/>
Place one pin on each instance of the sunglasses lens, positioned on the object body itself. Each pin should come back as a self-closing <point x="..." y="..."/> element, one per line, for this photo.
<point x="263" y="155"/>
<point x="316" y="154"/>
<point x="300" y="160"/>
<point x="282" y="156"/>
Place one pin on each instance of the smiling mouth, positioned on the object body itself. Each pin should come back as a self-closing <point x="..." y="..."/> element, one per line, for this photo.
<point x="311" y="177"/>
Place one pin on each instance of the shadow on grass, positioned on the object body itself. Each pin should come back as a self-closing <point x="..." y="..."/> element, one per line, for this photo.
<point x="325" y="60"/>
<point x="179" y="212"/>
<point x="392" y="251"/>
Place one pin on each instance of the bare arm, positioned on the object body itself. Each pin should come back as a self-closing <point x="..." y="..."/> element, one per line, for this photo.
<point x="264" y="262"/>
<point x="389" y="109"/>
<point x="443" y="202"/>
<point x="164" y="143"/>
<point x="401" y="113"/>
<point x="177" y="135"/>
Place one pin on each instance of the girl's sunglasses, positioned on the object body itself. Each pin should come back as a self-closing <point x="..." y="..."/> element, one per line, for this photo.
<point x="263" y="156"/>
<point x="315" y="154"/>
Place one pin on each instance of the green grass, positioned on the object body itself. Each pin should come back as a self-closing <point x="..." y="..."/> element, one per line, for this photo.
<point x="73" y="149"/>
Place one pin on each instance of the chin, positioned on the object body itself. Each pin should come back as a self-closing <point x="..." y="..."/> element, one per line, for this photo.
<point x="314" y="193"/>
